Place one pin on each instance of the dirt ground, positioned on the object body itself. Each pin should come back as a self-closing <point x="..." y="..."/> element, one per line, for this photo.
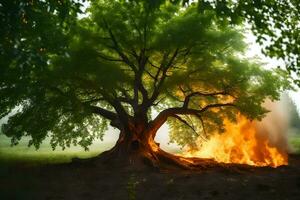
<point x="86" y="181"/>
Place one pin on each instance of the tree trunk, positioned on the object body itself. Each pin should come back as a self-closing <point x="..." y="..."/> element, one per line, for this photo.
<point x="140" y="151"/>
<point x="130" y="149"/>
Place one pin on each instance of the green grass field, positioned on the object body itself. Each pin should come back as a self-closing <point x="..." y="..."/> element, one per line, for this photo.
<point x="44" y="155"/>
<point x="295" y="143"/>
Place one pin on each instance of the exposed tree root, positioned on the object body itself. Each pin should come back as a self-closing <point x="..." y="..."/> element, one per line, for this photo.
<point x="152" y="157"/>
<point x="158" y="161"/>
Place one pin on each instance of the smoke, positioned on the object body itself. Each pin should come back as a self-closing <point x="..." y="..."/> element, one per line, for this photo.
<point x="275" y="126"/>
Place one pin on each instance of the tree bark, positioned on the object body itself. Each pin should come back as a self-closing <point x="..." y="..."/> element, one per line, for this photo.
<point x="137" y="149"/>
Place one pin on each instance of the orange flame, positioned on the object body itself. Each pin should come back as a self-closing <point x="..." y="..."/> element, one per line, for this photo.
<point x="241" y="144"/>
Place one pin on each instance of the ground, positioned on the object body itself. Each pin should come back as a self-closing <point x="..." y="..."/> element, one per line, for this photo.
<point x="98" y="181"/>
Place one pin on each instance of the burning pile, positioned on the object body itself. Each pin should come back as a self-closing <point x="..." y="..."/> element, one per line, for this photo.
<point x="242" y="143"/>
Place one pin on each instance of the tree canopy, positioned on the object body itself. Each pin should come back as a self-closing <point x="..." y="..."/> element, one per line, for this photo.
<point x="124" y="62"/>
<point x="275" y="23"/>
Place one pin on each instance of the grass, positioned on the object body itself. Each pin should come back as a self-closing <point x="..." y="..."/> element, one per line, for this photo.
<point x="45" y="155"/>
<point x="295" y="143"/>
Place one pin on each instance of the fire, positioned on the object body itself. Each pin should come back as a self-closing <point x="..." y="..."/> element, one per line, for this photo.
<point x="241" y="143"/>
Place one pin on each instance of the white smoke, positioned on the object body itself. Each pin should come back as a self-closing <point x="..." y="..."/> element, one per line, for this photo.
<point x="275" y="126"/>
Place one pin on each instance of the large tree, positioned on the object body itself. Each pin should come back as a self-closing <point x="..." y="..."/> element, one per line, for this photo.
<point x="135" y="65"/>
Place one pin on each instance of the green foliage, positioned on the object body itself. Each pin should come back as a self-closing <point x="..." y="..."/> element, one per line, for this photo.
<point x="295" y="120"/>
<point x="182" y="134"/>
<point x="293" y="115"/>
<point x="275" y="23"/>
<point x="122" y="61"/>
<point x="32" y="32"/>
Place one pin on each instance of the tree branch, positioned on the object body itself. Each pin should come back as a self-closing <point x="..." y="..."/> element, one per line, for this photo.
<point x="103" y="112"/>
<point x="113" y="101"/>
<point x="108" y="58"/>
<point x="163" y="116"/>
<point x="193" y="94"/>
<point x="163" y="69"/>
<point x="184" y="122"/>
<point x="94" y="109"/>
<point x="117" y="48"/>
